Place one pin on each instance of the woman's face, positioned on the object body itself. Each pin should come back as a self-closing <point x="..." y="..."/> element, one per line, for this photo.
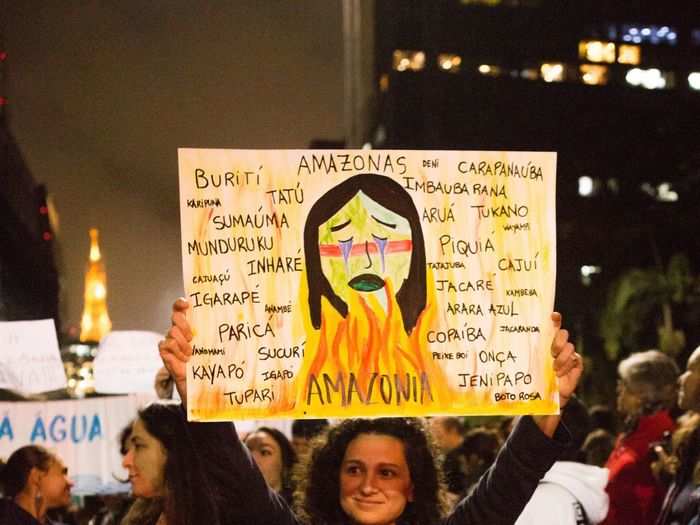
<point x="268" y="456"/>
<point x="363" y="245"/>
<point x="145" y="462"/>
<point x="55" y="485"/>
<point x="375" y="482"/>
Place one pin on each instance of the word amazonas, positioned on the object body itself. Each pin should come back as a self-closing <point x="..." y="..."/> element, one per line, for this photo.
<point x="328" y="163"/>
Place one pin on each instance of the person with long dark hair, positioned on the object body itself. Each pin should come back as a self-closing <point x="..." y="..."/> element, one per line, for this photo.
<point x="33" y="482"/>
<point x="275" y="457"/>
<point x="380" y="471"/>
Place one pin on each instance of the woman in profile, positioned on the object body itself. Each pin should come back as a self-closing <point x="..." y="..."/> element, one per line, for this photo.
<point x="375" y="471"/>
<point x="165" y="471"/>
<point x="33" y="481"/>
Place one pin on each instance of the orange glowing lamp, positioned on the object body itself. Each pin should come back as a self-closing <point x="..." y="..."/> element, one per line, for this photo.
<point x="95" y="322"/>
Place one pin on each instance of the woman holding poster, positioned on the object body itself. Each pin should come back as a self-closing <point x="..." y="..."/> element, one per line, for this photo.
<point x="378" y="471"/>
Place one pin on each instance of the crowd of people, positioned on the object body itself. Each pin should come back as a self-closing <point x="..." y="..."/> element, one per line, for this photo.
<point x="577" y="468"/>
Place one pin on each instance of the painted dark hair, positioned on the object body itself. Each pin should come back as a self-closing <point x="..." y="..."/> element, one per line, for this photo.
<point x="189" y="495"/>
<point x="411" y="295"/>
<point x="318" y="490"/>
<point x="15" y="473"/>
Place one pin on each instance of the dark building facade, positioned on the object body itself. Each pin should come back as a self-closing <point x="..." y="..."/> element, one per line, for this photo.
<point x="605" y="84"/>
<point x="28" y="276"/>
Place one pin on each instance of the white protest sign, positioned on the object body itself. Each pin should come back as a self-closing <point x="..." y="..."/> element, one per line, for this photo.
<point x="127" y="362"/>
<point x="30" y="361"/>
<point x="84" y="433"/>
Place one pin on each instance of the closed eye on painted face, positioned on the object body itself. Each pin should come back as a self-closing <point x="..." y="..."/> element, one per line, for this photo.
<point x="363" y="245"/>
<point x="375" y="481"/>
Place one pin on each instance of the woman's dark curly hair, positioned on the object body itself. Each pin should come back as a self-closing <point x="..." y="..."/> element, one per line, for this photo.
<point x="318" y="477"/>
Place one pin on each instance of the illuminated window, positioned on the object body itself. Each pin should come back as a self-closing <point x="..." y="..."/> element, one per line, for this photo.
<point x="596" y="51"/>
<point x="628" y="54"/>
<point x="594" y="75"/>
<point x="405" y="60"/>
<point x="553" y="72"/>
<point x="489" y="3"/>
<point x="587" y="271"/>
<point x="649" y="78"/>
<point x="651" y="34"/>
<point x="449" y="62"/>
<point x="490" y="70"/>
<point x="384" y="83"/>
<point x="529" y="74"/>
<point x="694" y="80"/>
<point x="587" y="186"/>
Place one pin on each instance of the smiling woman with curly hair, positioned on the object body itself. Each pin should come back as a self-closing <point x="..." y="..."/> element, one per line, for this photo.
<point x="375" y="471"/>
<point x="327" y="491"/>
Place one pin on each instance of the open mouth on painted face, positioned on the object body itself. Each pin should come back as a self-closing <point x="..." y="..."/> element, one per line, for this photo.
<point x="367" y="282"/>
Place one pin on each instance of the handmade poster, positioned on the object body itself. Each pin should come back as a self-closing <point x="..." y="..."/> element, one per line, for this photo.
<point x="365" y="283"/>
<point x="127" y="362"/>
<point x="30" y="360"/>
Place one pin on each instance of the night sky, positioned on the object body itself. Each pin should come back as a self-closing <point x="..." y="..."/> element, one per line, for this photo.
<point x="101" y="95"/>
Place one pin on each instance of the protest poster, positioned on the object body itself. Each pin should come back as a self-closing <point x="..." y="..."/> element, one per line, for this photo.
<point x="83" y="432"/>
<point x="127" y="362"/>
<point x="30" y="360"/>
<point x="365" y="282"/>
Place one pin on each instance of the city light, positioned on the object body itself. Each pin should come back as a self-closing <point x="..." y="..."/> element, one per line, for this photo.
<point x="597" y="51"/>
<point x="406" y="60"/>
<point x="489" y="70"/>
<point x="594" y="74"/>
<point x="585" y="186"/>
<point x="694" y="80"/>
<point x="552" y="72"/>
<point x="449" y="62"/>
<point x="587" y="271"/>
<point x="629" y="54"/>
<point x="646" y="78"/>
<point x="649" y="34"/>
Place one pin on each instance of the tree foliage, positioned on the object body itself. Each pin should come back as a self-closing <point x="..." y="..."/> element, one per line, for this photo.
<point x="642" y="296"/>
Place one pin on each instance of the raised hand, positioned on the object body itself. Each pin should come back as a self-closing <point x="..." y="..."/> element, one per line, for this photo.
<point x="175" y="350"/>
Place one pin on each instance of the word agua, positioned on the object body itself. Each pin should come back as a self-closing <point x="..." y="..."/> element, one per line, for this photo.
<point x="77" y="428"/>
<point x="501" y="169"/>
<point x="344" y="162"/>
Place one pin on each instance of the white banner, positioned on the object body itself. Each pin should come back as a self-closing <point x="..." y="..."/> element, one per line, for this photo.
<point x="127" y="362"/>
<point x="30" y="361"/>
<point x="84" y="433"/>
